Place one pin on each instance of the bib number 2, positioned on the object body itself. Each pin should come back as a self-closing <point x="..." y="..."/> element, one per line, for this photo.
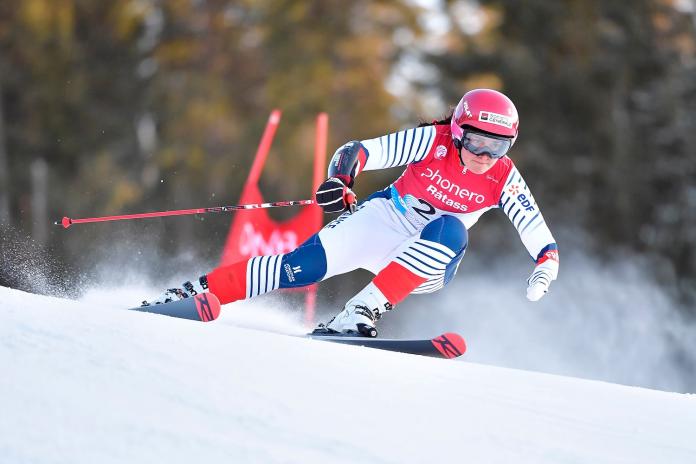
<point x="424" y="210"/>
<point x="418" y="211"/>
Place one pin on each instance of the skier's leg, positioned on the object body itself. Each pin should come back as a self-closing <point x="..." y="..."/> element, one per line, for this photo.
<point x="255" y="276"/>
<point x="424" y="264"/>
<point x="330" y="252"/>
<point x="413" y="272"/>
<point x="333" y="250"/>
<point x="258" y="275"/>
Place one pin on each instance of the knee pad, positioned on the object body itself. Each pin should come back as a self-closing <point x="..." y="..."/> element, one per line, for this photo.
<point x="305" y="265"/>
<point x="448" y="231"/>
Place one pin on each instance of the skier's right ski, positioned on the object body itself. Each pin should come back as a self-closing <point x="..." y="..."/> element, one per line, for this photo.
<point x="203" y="307"/>
<point x="448" y="345"/>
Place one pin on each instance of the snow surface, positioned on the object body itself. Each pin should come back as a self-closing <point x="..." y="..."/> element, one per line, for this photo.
<point x="86" y="385"/>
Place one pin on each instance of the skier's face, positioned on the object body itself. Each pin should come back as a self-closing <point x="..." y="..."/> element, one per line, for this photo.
<point x="477" y="164"/>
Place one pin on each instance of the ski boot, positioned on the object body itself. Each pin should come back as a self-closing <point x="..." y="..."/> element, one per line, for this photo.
<point x="362" y="330"/>
<point x="187" y="289"/>
<point x="359" y="316"/>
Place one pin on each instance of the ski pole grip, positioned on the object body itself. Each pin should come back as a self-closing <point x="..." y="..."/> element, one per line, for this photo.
<point x="351" y="201"/>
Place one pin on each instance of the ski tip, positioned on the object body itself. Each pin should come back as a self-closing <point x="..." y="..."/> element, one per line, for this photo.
<point x="208" y="306"/>
<point x="450" y="345"/>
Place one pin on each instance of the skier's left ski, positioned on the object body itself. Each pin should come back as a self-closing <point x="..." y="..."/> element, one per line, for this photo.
<point x="448" y="345"/>
<point x="204" y="307"/>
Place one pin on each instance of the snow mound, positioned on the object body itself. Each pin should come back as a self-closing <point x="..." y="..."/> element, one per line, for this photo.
<point x="84" y="383"/>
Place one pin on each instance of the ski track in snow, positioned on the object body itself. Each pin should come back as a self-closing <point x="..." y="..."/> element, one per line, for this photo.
<point x="86" y="385"/>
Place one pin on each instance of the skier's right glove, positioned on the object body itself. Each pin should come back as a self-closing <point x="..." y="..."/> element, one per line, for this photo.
<point x="334" y="196"/>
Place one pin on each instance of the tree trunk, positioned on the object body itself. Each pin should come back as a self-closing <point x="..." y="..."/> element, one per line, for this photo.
<point x="39" y="201"/>
<point x="4" y="171"/>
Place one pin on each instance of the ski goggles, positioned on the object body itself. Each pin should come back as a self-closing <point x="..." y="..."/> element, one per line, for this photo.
<point x="480" y="143"/>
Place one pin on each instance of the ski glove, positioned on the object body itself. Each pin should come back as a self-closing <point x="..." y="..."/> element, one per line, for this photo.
<point x="334" y="196"/>
<point x="544" y="272"/>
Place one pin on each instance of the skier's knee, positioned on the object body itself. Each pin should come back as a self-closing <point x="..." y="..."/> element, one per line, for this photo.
<point x="448" y="231"/>
<point x="305" y="265"/>
<point x="452" y="267"/>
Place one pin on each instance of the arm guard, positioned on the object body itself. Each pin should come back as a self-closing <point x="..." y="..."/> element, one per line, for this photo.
<point x="348" y="161"/>
<point x="550" y="251"/>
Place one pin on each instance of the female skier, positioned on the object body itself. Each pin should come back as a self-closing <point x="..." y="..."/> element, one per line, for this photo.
<point x="412" y="235"/>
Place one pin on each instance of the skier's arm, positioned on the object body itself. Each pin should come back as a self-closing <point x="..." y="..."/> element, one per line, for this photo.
<point x="397" y="149"/>
<point x="520" y="207"/>
<point x="387" y="151"/>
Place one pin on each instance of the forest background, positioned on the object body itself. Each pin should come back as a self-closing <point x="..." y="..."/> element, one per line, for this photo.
<point x="138" y="105"/>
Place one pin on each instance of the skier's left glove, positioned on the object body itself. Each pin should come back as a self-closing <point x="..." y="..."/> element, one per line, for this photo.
<point x="544" y="273"/>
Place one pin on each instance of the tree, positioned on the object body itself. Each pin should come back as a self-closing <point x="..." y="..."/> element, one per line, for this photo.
<point x="604" y="90"/>
<point x="143" y="104"/>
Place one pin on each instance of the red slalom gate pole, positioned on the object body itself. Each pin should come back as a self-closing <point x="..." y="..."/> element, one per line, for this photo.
<point x="67" y="222"/>
<point x="320" y="142"/>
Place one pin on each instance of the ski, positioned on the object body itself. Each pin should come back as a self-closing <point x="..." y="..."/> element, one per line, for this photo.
<point x="204" y="307"/>
<point x="448" y="345"/>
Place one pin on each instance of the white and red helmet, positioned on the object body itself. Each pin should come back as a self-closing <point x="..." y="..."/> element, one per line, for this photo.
<point x="485" y="110"/>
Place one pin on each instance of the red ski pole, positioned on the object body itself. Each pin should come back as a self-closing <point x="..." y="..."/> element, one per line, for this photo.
<point x="67" y="222"/>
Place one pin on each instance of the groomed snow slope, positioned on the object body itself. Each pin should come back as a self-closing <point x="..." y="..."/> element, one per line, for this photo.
<point x="86" y="385"/>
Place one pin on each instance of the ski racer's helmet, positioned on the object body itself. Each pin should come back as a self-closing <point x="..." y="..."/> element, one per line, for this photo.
<point x="485" y="114"/>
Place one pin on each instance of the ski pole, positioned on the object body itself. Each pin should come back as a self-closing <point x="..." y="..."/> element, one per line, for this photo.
<point x="67" y="222"/>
